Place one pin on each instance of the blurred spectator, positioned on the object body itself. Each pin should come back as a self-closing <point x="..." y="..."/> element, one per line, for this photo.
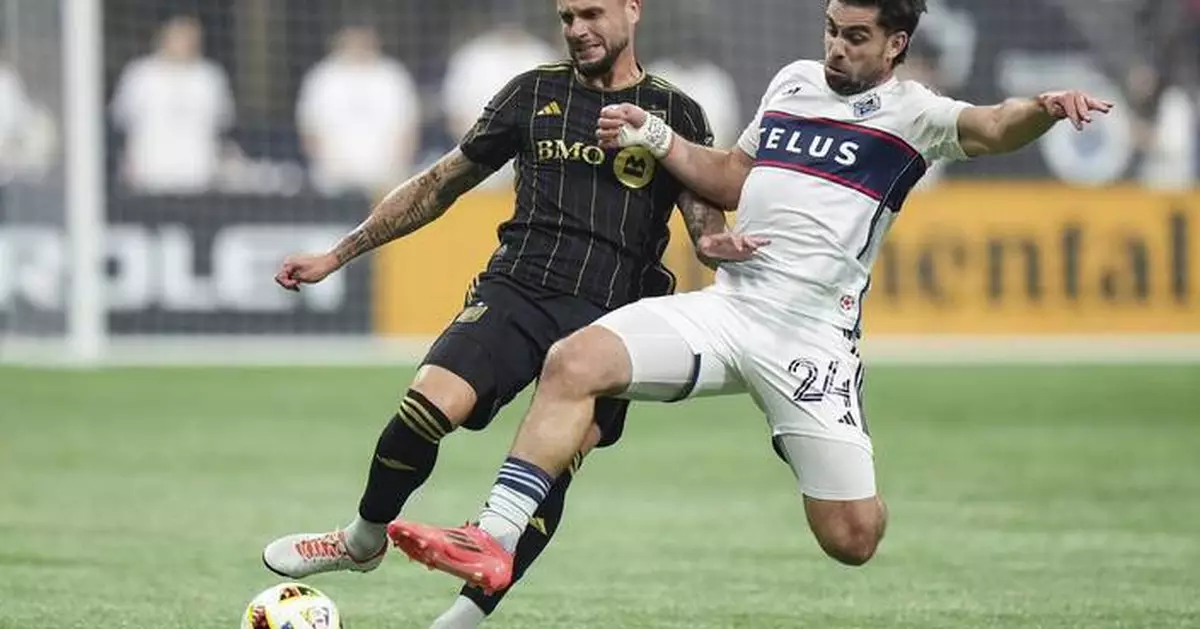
<point x="480" y="68"/>
<point x="711" y="86"/>
<point x="1164" y="86"/>
<point x="28" y="134"/>
<point x="921" y="65"/>
<point x="1152" y="47"/>
<point x="689" y="62"/>
<point x="173" y="105"/>
<point x="358" y="115"/>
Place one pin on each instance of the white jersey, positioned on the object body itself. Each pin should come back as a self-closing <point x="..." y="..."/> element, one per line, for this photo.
<point x="830" y="175"/>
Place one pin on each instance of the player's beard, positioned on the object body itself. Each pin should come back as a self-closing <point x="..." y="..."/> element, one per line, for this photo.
<point x="604" y="64"/>
<point x="847" y="84"/>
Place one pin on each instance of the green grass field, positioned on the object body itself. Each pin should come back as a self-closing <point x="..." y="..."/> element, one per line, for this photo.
<point x="1020" y="497"/>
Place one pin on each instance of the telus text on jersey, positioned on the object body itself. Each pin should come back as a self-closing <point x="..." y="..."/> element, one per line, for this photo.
<point x="819" y="147"/>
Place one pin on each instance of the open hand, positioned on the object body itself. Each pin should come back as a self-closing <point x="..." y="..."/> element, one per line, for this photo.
<point x="730" y="247"/>
<point x="1073" y="105"/>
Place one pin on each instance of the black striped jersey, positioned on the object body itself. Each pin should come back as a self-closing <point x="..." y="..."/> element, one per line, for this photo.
<point x="588" y="221"/>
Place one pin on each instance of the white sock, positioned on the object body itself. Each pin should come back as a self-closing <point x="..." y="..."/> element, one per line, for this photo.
<point x="364" y="539"/>
<point x="463" y="614"/>
<point x="520" y="487"/>
<point x="506" y="514"/>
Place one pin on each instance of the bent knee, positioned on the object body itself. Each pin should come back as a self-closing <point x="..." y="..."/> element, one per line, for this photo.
<point x="853" y="548"/>
<point x="567" y="368"/>
<point x="849" y="532"/>
<point x="586" y="363"/>
<point x="449" y="393"/>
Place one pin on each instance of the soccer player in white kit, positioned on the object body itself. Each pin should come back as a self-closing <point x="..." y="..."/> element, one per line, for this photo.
<point x="820" y="175"/>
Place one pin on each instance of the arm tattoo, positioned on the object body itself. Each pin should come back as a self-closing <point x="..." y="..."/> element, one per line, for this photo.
<point x="414" y="204"/>
<point x="701" y="218"/>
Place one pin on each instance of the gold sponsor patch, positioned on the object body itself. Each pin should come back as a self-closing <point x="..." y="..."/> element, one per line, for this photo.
<point x="471" y="314"/>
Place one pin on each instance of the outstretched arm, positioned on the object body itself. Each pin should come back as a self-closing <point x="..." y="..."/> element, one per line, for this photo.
<point x="413" y="205"/>
<point x="1010" y="125"/>
<point x="711" y="238"/>
<point x="713" y="173"/>
<point x="407" y="208"/>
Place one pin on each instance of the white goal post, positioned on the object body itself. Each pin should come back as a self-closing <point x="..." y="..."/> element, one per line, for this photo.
<point x="83" y="121"/>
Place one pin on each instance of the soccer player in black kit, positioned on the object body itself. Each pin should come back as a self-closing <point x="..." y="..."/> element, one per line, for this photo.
<point x="587" y="236"/>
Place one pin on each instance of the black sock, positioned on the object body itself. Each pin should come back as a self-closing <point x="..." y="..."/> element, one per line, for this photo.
<point x="533" y="541"/>
<point x="404" y="457"/>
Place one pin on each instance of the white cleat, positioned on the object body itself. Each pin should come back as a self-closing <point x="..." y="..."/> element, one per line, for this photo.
<point x="305" y="554"/>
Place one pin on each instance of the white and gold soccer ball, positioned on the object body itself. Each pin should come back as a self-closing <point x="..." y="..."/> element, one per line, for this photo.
<point x="291" y="606"/>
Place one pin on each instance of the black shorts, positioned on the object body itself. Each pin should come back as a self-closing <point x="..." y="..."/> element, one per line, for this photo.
<point x="500" y="339"/>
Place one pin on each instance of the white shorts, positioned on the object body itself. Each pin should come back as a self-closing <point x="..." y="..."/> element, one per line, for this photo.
<point x="804" y="374"/>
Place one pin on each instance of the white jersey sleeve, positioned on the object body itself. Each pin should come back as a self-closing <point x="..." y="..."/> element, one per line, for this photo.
<point x="936" y="127"/>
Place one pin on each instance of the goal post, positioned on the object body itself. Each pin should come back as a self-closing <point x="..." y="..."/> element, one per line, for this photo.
<point x="83" y="122"/>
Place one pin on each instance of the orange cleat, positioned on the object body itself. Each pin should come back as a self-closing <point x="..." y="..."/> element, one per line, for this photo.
<point x="466" y="552"/>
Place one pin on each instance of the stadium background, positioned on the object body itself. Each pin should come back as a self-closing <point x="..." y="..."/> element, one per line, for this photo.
<point x="1090" y="234"/>
<point x="1021" y="495"/>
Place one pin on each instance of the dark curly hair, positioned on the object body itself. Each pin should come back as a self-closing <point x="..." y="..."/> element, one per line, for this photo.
<point x="895" y="16"/>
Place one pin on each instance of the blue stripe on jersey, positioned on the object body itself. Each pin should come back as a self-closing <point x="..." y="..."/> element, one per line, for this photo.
<point x="875" y="163"/>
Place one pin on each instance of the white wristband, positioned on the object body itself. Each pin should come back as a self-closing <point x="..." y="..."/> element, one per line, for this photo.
<point x="655" y="135"/>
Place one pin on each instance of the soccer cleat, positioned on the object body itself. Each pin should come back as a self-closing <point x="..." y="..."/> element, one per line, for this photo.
<point x="466" y="552"/>
<point x="299" y="556"/>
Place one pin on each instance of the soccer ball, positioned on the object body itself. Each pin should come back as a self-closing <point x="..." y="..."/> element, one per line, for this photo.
<point x="291" y="606"/>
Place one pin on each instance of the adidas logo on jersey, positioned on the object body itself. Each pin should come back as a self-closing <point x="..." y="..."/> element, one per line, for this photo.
<point x="551" y="109"/>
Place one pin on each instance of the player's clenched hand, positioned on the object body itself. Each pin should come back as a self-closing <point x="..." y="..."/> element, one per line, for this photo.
<point x="1072" y="105"/>
<point x="612" y="118"/>
<point x="629" y="125"/>
<point x="730" y="247"/>
<point x="305" y="269"/>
